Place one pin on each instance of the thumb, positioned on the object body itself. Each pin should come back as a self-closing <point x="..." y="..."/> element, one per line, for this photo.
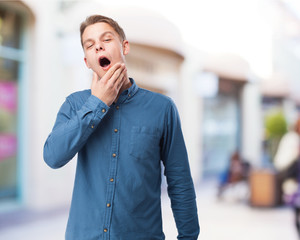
<point x="95" y="77"/>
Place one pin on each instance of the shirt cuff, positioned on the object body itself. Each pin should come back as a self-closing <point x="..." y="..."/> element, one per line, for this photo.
<point x="97" y="106"/>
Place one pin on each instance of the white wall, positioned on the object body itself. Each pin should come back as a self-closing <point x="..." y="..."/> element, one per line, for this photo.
<point x="44" y="187"/>
<point x="252" y="129"/>
<point x="190" y="109"/>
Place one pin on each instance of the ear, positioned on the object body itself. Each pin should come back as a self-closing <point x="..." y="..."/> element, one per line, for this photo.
<point x="86" y="63"/>
<point x="126" y="47"/>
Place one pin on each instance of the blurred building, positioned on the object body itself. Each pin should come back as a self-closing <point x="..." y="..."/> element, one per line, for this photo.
<point x="231" y="119"/>
<point x="280" y="91"/>
<point x="219" y="97"/>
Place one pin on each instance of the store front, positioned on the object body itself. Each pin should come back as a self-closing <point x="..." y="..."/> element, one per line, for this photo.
<point x="221" y="127"/>
<point x="12" y="25"/>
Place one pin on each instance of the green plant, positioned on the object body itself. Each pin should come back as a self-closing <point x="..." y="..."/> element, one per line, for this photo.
<point x="276" y="127"/>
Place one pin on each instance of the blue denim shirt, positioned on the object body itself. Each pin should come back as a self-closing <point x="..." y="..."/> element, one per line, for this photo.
<point x="120" y="148"/>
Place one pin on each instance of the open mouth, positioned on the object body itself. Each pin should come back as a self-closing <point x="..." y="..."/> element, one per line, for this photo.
<point x="104" y="62"/>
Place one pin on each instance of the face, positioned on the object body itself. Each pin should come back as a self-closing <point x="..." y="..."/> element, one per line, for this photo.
<point x="103" y="48"/>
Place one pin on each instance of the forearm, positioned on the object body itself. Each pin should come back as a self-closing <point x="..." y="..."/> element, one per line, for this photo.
<point x="181" y="190"/>
<point x="64" y="142"/>
<point x="180" y="185"/>
<point x="183" y="202"/>
<point x="72" y="130"/>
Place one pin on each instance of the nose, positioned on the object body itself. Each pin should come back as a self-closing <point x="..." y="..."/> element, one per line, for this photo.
<point x="98" y="48"/>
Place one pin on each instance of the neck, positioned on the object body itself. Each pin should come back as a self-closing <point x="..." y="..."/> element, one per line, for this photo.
<point x="126" y="85"/>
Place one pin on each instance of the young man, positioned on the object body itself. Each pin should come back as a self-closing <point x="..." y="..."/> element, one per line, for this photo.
<point x="121" y="134"/>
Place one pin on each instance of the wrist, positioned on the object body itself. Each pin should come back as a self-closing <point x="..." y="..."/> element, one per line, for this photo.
<point x="103" y="99"/>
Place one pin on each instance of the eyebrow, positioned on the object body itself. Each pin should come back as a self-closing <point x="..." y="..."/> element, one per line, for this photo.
<point x="101" y="36"/>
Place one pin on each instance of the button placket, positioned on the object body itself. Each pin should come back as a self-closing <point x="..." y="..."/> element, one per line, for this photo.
<point x="112" y="170"/>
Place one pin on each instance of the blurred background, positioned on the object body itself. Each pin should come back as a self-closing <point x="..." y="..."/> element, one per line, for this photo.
<point x="231" y="66"/>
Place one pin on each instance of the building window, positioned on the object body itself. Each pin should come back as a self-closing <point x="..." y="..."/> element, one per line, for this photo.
<point x="11" y="56"/>
<point x="221" y="127"/>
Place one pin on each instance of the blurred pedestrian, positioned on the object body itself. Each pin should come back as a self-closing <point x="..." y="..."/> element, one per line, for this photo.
<point x="288" y="148"/>
<point x="121" y="134"/>
<point x="293" y="199"/>
<point x="290" y="170"/>
<point x="236" y="172"/>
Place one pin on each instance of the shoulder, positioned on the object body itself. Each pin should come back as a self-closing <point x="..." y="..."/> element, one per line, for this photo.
<point x="154" y="97"/>
<point x="162" y="105"/>
<point x="77" y="99"/>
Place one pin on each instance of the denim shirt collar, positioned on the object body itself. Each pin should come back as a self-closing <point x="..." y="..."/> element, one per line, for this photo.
<point x="128" y="93"/>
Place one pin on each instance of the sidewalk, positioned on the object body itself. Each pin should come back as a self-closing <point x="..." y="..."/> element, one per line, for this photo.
<point x="236" y="220"/>
<point x="219" y="220"/>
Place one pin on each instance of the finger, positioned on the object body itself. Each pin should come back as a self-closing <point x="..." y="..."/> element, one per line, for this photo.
<point x="116" y="75"/>
<point x="94" y="79"/>
<point x="108" y="75"/>
<point x="121" y="79"/>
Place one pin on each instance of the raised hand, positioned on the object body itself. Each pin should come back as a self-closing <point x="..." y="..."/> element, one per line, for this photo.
<point x="108" y="87"/>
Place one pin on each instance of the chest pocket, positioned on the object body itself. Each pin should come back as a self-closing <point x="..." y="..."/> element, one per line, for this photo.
<point x="144" y="143"/>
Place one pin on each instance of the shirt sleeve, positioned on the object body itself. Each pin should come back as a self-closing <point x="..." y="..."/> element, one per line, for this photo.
<point x="72" y="130"/>
<point x="180" y="185"/>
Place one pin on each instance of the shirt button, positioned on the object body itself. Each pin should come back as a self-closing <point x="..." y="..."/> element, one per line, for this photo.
<point x="117" y="107"/>
<point x="105" y="230"/>
<point x="103" y="110"/>
<point x="108" y="205"/>
<point x="129" y="95"/>
<point x="92" y="126"/>
<point x="111" y="179"/>
<point x="116" y="130"/>
<point x="114" y="155"/>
